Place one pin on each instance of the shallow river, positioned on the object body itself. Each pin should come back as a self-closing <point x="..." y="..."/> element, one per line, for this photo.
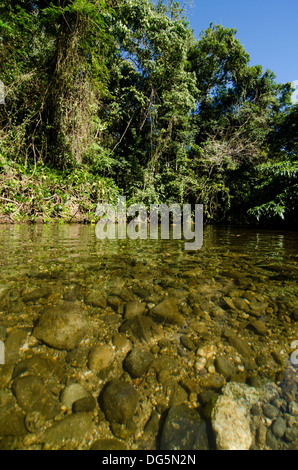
<point x="105" y="344"/>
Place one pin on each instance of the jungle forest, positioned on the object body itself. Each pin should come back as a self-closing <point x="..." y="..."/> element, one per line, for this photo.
<point x="117" y="97"/>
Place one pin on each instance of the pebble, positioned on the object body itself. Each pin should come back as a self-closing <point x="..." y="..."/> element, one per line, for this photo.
<point x="200" y="364"/>
<point x="72" y="393"/>
<point x="36" y="294"/>
<point x="279" y="427"/>
<point x="291" y="435"/>
<point x="96" y="300"/>
<point x="34" y="421"/>
<point x="259" y="327"/>
<point x="241" y="346"/>
<point x="293" y="408"/>
<point x="224" y="367"/>
<point x="84" y="404"/>
<point x="270" y="411"/>
<point x="32" y="395"/>
<point x="108" y="444"/>
<point x="212" y="381"/>
<point x="73" y="429"/>
<point x="271" y="440"/>
<point x="14" y="341"/>
<point x="100" y="356"/>
<point x="188" y="343"/>
<point x="121" y="342"/>
<point x="261" y="435"/>
<point x="133" y="309"/>
<point x="138" y="361"/>
<point x="12" y="423"/>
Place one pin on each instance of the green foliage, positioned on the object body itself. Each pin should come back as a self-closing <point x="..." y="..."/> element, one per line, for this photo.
<point x="278" y="189"/>
<point x="154" y="90"/>
<point x="46" y="194"/>
<point x="107" y="96"/>
<point x="54" y="71"/>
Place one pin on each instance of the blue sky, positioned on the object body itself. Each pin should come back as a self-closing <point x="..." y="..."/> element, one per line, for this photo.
<point x="268" y="30"/>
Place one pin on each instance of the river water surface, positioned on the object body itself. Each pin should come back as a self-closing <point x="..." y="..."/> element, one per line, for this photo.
<point x="194" y="320"/>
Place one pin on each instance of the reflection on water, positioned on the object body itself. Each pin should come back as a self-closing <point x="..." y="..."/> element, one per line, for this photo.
<point x="24" y="247"/>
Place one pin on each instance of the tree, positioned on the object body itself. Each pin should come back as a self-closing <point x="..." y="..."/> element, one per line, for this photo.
<point x="55" y="74"/>
<point x="152" y="94"/>
<point x="236" y="112"/>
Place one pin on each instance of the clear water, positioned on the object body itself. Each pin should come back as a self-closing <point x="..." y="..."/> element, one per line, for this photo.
<point x="235" y="267"/>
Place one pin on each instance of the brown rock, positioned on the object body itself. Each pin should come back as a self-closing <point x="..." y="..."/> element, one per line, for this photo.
<point x="259" y="327"/>
<point x="61" y="326"/>
<point x="167" y="312"/>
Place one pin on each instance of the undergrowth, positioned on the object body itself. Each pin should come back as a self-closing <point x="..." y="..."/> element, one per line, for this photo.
<point x="42" y="194"/>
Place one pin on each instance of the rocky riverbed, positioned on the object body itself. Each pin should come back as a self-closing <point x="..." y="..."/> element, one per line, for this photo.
<point x="126" y="354"/>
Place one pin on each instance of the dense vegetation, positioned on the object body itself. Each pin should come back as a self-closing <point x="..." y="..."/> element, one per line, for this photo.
<point x="109" y="97"/>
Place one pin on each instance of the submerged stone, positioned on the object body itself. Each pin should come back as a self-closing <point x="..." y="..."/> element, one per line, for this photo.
<point x="184" y="429"/>
<point x="72" y="393"/>
<point x="259" y="327"/>
<point x="32" y="395"/>
<point x="240" y="345"/>
<point x="100" y="356"/>
<point x="231" y="417"/>
<point x="96" y="300"/>
<point x="224" y="367"/>
<point x="108" y="444"/>
<point x="84" y="404"/>
<point x="167" y="312"/>
<point x="138" y="361"/>
<point x="36" y="294"/>
<point x="139" y="328"/>
<point x="13" y="344"/>
<point x="72" y="429"/>
<point x="61" y="326"/>
<point x="118" y="401"/>
<point x="134" y="308"/>
<point x="12" y="423"/>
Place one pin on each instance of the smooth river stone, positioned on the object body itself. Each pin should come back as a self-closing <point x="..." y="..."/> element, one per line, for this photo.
<point x="61" y="326"/>
<point x="100" y="356"/>
<point x="118" y="401"/>
<point x="32" y="395"/>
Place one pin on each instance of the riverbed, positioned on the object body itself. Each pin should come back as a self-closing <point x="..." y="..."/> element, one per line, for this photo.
<point x="109" y="343"/>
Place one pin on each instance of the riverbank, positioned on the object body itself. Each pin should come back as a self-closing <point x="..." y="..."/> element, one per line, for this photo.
<point x="42" y="194"/>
